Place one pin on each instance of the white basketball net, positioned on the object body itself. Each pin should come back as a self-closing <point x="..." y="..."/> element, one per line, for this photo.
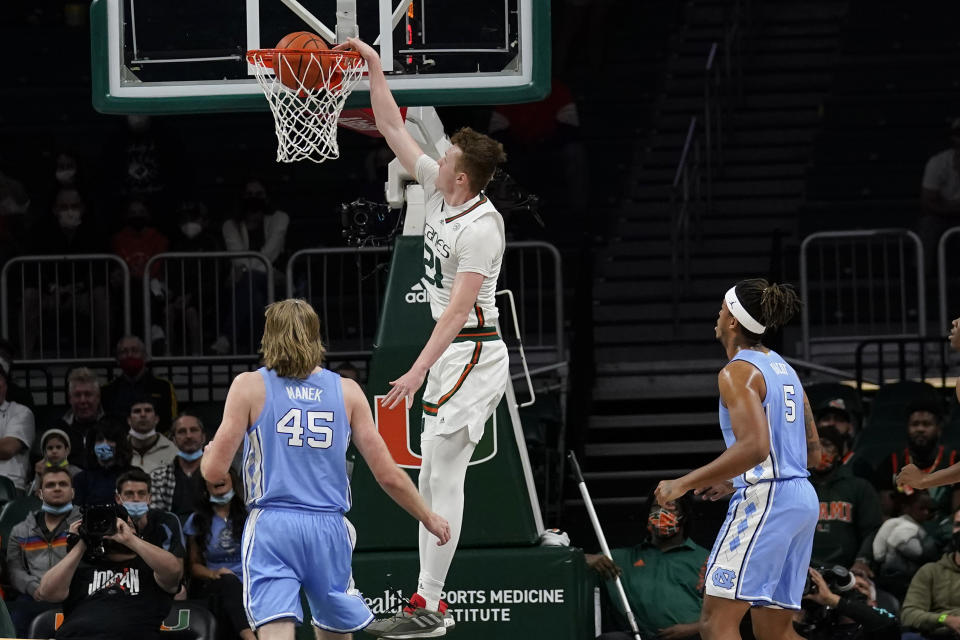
<point x="306" y="116"/>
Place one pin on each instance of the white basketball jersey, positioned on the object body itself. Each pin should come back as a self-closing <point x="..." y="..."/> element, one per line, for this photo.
<point x="469" y="238"/>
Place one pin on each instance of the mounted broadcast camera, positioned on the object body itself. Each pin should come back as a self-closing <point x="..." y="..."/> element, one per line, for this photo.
<point x="367" y="223"/>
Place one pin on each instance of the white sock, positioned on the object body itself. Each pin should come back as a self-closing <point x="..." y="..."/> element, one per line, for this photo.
<point x="449" y="457"/>
<point x="430" y="589"/>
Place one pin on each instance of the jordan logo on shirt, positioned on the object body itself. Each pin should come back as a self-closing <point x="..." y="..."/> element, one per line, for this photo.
<point x="128" y="580"/>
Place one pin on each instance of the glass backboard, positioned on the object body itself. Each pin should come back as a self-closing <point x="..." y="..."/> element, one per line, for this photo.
<point x="188" y="56"/>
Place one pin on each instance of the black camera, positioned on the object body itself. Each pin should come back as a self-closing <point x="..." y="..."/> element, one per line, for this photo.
<point x="97" y="521"/>
<point x="367" y="223"/>
<point x="838" y="580"/>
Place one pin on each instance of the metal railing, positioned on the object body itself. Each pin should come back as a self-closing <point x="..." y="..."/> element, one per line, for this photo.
<point x="944" y="281"/>
<point x="701" y="159"/>
<point x="865" y="286"/>
<point x="208" y="304"/>
<point x="346" y="286"/>
<point x="686" y="198"/>
<point x="64" y="308"/>
<point x="913" y="358"/>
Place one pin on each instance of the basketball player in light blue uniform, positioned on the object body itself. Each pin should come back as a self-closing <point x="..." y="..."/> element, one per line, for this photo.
<point x="298" y="420"/>
<point x="762" y="554"/>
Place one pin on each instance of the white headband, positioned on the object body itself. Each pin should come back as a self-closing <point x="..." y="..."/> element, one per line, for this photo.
<point x="741" y="314"/>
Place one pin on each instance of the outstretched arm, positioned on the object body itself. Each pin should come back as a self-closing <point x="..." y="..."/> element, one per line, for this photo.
<point x="466" y="288"/>
<point x="391" y="478"/>
<point x="385" y="111"/>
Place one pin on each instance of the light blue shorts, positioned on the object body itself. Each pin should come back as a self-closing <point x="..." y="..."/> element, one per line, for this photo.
<point x="284" y="550"/>
<point x="763" y="551"/>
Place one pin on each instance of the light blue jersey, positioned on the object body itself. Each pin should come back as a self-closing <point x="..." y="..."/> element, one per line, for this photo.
<point x="783" y="406"/>
<point x="763" y="550"/>
<point x="295" y="454"/>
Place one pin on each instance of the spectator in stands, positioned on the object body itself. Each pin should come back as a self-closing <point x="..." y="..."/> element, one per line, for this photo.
<point x="39" y="542"/>
<point x="151" y="450"/>
<point x="68" y="231"/>
<point x="136" y="243"/>
<point x="932" y="603"/>
<point x="127" y="592"/>
<point x="85" y="412"/>
<point x="148" y="158"/>
<point x="214" y="533"/>
<point x="55" y="445"/>
<point x="257" y="226"/>
<point x="924" y="449"/>
<point x="14" y="214"/>
<point x="15" y="393"/>
<point x="849" y="509"/>
<point x="666" y="567"/>
<point x="175" y="485"/>
<point x="940" y="193"/>
<point x="108" y="457"/>
<point x="901" y="545"/>
<point x="834" y="413"/>
<point x="137" y="380"/>
<point x="16" y="437"/>
<point x="188" y="281"/>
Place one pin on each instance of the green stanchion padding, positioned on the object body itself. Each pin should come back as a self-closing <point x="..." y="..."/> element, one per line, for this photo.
<point x="508" y="594"/>
<point x="499" y="506"/>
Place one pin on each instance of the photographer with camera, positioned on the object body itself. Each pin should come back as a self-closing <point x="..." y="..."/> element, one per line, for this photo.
<point x="117" y="581"/>
<point x="840" y="605"/>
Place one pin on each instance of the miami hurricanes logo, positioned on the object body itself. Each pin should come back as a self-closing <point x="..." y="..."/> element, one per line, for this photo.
<point x="394" y="427"/>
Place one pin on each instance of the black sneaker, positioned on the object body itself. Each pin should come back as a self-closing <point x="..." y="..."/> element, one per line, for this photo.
<point x="412" y="621"/>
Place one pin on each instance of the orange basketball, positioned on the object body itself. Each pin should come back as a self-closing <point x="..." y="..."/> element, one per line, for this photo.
<point x="296" y="69"/>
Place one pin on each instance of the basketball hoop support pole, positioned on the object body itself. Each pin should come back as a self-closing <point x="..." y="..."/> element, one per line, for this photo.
<point x="346" y="20"/>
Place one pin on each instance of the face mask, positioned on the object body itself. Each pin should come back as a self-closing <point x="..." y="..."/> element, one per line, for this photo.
<point x="57" y="511"/>
<point x="827" y="462"/>
<point x="191" y="229"/>
<point x="142" y="436"/>
<point x="190" y="457"/>
<point x="65" y="176"/>
<point x="70" y="217"/>
<point x="103" y="451"/>
<point x="138" y="224"/>
<point x="956" y="541"/>
<point x="131" y="366"/>
<point x="136" y="509"/>
<point x="60" y="465"/>
<point x="663" y="524"/>
<point x="224" y="499"/>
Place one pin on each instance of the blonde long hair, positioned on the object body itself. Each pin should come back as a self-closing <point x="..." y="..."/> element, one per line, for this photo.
<point x="291" y="343"/>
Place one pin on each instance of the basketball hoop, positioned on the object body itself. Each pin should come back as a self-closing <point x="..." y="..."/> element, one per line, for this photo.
<point x="306" y="90"/>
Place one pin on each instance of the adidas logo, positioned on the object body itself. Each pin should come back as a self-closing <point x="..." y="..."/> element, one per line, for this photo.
<point x="417" y="294"/>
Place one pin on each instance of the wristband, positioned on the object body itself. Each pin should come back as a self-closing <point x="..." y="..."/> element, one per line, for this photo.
<point x="942" y="619"/>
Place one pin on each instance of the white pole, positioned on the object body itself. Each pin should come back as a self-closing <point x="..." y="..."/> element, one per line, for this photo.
<point x="603" y="540"/>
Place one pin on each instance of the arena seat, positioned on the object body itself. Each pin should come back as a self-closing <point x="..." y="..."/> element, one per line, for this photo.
<point x="8" y="491"/>
<point x="184" y="616"/>
<point x="14" y="512"/>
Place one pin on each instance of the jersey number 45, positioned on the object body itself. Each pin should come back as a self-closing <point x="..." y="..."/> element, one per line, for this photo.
<point x="291" y="424"/>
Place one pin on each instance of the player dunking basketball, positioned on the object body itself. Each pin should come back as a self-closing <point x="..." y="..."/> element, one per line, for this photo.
<point x="763" y="551"/>
<point x="298" y="419"/>
<point x="467" y="361"/>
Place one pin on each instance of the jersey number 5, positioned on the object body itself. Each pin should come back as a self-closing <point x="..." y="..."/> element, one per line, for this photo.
<point x="790" y="402"/>
<point x="432" y="262"/>
<point x="292" y="424"/>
